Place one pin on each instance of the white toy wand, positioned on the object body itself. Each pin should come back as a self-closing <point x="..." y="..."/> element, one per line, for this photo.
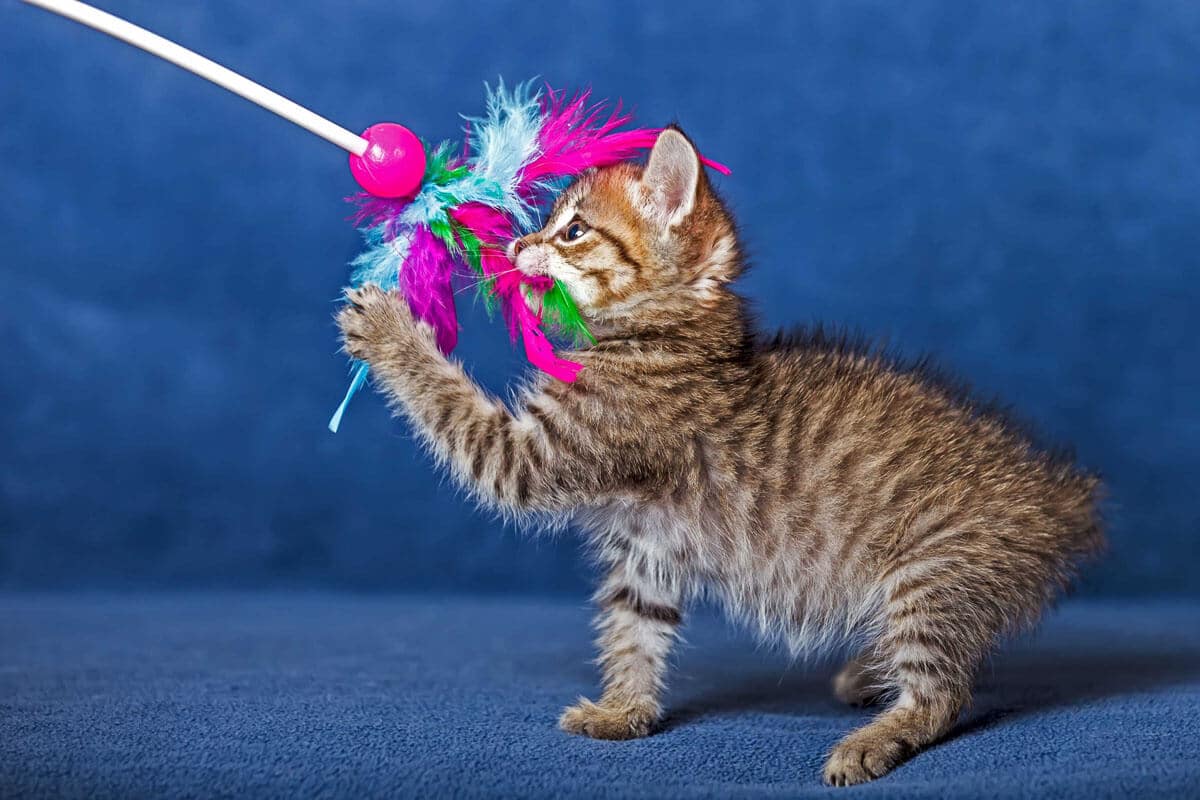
<point x="388" y="160"/>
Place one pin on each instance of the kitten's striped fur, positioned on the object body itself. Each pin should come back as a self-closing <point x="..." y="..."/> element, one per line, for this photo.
<point x="822" y="492"/>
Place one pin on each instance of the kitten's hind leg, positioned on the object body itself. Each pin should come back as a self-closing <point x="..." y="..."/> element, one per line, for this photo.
<point x="860" y="682"/>
<point x="638" y="620"/>
<point x="875" y="749"/>
<point x="935" y="636"/>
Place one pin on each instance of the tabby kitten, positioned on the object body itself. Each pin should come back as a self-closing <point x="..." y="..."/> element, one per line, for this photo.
<point x="823" y="493"/>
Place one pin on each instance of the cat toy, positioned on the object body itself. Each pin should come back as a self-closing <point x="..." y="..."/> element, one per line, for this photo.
<point x="432" y="213"/>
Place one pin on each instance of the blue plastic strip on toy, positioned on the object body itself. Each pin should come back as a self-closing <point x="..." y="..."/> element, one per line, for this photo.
<point x="360" y="377"/>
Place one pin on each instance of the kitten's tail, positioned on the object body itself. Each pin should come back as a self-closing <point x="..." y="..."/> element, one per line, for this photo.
<point x="1082" y="518"/>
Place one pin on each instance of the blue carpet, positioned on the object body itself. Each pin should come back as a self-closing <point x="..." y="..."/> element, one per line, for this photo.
<point x="281" y="695"/>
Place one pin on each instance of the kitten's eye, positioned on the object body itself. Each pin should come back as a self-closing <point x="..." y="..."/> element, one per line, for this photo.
<point x="573" y="231"/>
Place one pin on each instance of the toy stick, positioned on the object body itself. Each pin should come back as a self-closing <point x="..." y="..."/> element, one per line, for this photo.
<point x="385" y="163"/>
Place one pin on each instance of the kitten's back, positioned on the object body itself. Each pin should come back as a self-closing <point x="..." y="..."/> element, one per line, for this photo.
<point x="909" y="456"/>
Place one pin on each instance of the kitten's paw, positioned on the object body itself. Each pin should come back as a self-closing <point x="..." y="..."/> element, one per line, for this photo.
<point x="608" y="722"/>
<point x="863" y="756"/>
<point x="857" y="685"/>
<point x="370" y="318"/>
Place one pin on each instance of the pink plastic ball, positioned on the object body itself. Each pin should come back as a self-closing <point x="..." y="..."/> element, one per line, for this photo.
<point x="393" y="163"/>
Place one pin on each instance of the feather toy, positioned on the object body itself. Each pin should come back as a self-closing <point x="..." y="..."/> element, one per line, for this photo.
<point x="435" y="215"/>
<point x="471" y="204"/>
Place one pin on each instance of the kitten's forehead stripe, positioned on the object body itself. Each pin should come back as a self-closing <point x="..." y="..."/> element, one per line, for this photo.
<point x="559" y="221"/>
<point x="621" y="247"/>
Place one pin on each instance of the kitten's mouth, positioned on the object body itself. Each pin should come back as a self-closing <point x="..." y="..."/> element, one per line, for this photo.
<point x="533" y="270"/>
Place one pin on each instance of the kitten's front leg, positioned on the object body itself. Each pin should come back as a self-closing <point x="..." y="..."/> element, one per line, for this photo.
<point x="638" y="620"/>
<point x="499" y="457"/>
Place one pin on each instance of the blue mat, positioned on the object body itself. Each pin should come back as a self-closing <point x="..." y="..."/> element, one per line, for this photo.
<point x="286" y="695"/>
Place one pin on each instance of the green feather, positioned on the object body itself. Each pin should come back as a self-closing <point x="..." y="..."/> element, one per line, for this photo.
<point x="561" y="310"/>
<point x="437" y="164"/>
<point x="442" y="228"/>
<point x="470" y="246"/>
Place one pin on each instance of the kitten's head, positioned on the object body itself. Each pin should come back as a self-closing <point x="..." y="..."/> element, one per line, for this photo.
<point x="629" y="241"/>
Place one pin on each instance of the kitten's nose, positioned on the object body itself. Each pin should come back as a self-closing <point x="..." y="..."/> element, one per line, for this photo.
<point x="514" y="249"/>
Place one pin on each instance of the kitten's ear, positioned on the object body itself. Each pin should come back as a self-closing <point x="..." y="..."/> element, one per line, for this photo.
<point x="672" y="177"/>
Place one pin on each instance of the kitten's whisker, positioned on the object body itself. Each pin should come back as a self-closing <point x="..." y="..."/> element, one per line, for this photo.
<point x="480" y="281"/>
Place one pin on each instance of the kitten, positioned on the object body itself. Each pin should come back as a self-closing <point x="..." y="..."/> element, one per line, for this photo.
<point x="823" y="493"/>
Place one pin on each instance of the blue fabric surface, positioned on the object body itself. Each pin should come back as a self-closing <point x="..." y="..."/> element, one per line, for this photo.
<point x="1011" y="186"/>
<point x="286" y="695"/>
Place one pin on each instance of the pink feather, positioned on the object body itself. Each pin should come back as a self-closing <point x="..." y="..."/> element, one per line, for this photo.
<point x="576" y="136"/>
<point x="425" y="283"/>
<point x="488" y="224"/>
<point x="538" y="348"/>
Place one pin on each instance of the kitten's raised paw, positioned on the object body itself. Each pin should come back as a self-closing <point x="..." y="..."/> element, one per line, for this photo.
<point x="608" y="722"/>
<point x="863" y="756"/>
<point x="370" y="317"/>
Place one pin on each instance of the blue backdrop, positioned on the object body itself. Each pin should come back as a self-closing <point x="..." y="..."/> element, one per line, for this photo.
<point x="1012" y="187"/>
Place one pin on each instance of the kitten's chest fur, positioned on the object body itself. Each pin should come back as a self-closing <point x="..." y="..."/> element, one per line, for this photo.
<point x="774" y="562"/>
